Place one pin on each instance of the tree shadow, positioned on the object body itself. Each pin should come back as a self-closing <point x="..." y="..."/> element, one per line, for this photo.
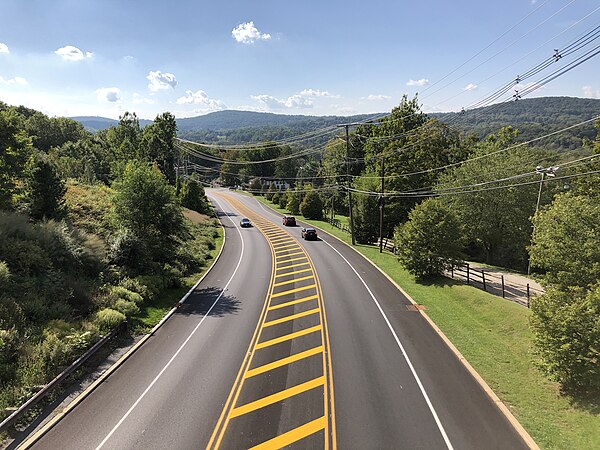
<point x="438" y="281"/>
<point x="588" y="401"/>
<point x="201" y="301"/>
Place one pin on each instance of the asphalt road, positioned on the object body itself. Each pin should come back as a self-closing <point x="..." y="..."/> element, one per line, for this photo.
<point x="288" y="343"/>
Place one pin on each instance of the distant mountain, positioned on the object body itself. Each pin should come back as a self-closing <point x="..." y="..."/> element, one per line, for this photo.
<point x="533" y="117"/>
<point x="94" y="124"/>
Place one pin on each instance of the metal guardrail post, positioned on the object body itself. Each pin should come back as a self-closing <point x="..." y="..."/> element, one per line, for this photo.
<point x="483" y="277"/>
<point x="502" y="286"/>
<point x="528" y="295"/>
<point x="467" y="273"/>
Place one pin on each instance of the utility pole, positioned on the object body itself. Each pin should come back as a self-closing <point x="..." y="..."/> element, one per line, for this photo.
<point x="381" y="203"/>
<point x="347" y="126"/>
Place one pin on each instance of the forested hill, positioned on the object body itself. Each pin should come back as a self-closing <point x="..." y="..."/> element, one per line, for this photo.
<point x="533" y="117"/>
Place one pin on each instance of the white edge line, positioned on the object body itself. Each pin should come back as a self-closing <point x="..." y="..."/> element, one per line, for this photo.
<point x="184" y="342"/>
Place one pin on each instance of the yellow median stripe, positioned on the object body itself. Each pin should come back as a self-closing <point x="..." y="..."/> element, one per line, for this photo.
<point x="300" y="252"/>
<point x="294" y="280"/>
<point x="295" y="272"/>
<point x="288" y="337"/>
<point x="294" y="435"/>
<point x="290" y="260"/>
<point x="291" y="291"/>
<point x="291" y="266"/>
<point x="286" y="249"/>
<point x="279" y="396"/>
<point x="293" y="302"/>
<point x="292" y="317"/>
<point x="282" y="244"/>
<point x="281" y="239"/>
<point x="284" y="361"/>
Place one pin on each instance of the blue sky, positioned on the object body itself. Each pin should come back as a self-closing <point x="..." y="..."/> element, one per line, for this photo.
<point x="104" y="57"/>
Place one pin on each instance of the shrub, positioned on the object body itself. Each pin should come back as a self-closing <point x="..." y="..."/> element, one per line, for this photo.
<point x="312" y="206"/>
<point x="275" y="198"/>
<point x="126" y="307"/>
<point x="127" y="250"/>
<point x="4" y="273"/>
<point x="566" y="326"/>
<point x="293" y="203"/>
<point x="429" y="243"/>
<point x="107" y="319"/>
<point x="120" y="293"/>
<point x="283" y="199"/>
<point x="135" y="285"/>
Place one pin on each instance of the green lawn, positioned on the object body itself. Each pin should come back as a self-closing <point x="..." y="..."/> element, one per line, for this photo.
<point x="494" y="335"/>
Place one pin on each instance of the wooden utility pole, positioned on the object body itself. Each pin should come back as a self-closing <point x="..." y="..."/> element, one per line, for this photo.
<point x="348" y="184"/>
<point x="381" y="204"/>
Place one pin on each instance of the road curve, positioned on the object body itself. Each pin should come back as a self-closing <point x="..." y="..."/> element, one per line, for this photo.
<point x="288" y="343"/>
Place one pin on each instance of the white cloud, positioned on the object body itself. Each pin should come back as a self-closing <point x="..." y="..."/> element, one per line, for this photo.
<point x="71" y="53"/>
<point x="19" y="81"/>
<point x="160" y="81"/>
<point x="316" y="93"/>
<point x="588" y="91"/>
<point x="247" y="33"/>
<point x="376" y="97"/>
<point x="110" y="95"/>
<point x="421" y="82"/>
<point x="470" y="87"/>
<point x="302" y="100"/>
<point x="200" y="98"/>
<point x="4" y="48"/>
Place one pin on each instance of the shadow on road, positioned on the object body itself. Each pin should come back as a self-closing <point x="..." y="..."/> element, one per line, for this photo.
<point x="201" y="301"/>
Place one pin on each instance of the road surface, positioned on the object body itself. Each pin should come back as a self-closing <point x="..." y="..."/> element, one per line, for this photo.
<point x="288" y="343"/>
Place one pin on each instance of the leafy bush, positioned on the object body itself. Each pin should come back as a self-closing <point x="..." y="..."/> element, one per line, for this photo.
<point x="283" y="199"/>
<point x="275" y="198"/>
<point x="120" y="293"/>
<point x="312" y="206"/>
<point x="4" y="273"/>
<point x="127" y="249"/>
<point x="107" y="319"/>
<point x="429" y="243"/>
<point x="293" y="203"/>
<point x="126" y="307"/>
<point x="566" y="326"/>
<point x="134" y="285"/>
<point x="193" y="196"/>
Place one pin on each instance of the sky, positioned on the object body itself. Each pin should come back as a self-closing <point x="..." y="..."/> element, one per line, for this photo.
<point x="105" y="57"/>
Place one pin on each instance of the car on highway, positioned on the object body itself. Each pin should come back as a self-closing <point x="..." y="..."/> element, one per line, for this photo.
<point x="289" y="221"/>
<point x="309" y="234"/>
<point x="245" y="223"/>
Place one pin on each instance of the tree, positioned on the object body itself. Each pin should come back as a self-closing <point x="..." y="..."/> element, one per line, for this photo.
<point x="293" y="202"/>
<point x="193" y="197"/>
<point x="429" y="243"/>
<point x="496" y="221"/>
<point x="255" y="186"/>
<point x="283" y="199"/>
<point x="146" y="205"/>
<point x="270" y="192"/>
<point x="312" y="206"/>
<point x="565" y="241"/>
<point x="566" y="326"/>
<point x="158" y="144"/>
<point x="366" y="211"/>
<point x="15" y="148"/>
<point x="45" y="191"/>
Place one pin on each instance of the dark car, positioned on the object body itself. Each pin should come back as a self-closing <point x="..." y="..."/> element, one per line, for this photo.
<point x="245" y="223"/>
<point x="309" y="234"/>
<point x="289" y="221"/>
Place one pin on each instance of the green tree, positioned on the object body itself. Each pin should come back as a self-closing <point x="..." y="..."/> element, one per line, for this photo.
<point x="44" y="191"/>
<point x="193" y="197"/>
<point x="146" y="204"/>
<point x="270" y="192"/>
<point x="255" y="186"/>
<point x="429" y="243"/>
<point x="365" y="210"/>
<point x="496" y="221"/>
<point x="566" y="326"/>
<point x="566" y="241"/>
<point x="293" y="202"/>
<point x="283" y="199"/>
<point x="312" y="205"/>
<point x="15" y="148"/>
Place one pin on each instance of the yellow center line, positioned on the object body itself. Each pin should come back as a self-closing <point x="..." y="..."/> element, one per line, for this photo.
<point x="284" y="361"/>
<point x="294" y="280"/>
<point x="291" y="291"/>
<point x="289" y="260"/>
<point x="281" y="239"/>
<point x="293" y="273"/>
<point x="294" y="435"/>
<point x="288" y="337"/>
<point x="287" y="248"/>
<point x="292" y="317"/>
<point x="291" y="266"/>
<point x="281" y="395"/>
<point x="300" y="252"/>
<point x="293" y="302"/>
<point x="285" y="244"/>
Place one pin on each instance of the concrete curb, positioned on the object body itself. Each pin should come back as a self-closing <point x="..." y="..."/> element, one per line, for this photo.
<point x="486" y="388"/>
<point x="58" y="417"/>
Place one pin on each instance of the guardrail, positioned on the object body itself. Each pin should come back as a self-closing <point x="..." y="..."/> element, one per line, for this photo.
<point x="9" y="421"/>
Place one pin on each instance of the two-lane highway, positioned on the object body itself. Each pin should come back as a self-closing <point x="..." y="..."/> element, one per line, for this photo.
<point x="288" y="343"/>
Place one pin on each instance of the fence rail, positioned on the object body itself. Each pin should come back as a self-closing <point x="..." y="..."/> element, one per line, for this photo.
<point x="496" y="284"/>
<point x="336" y="223"/>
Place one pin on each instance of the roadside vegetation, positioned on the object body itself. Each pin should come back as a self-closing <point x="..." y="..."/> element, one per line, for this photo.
<point x="92" y="234"/>
<point x="485" y="200"/>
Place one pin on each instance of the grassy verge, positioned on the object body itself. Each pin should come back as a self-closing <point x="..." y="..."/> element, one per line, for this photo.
<point x="494" y="335"/>
<point x="153" y="311"/>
